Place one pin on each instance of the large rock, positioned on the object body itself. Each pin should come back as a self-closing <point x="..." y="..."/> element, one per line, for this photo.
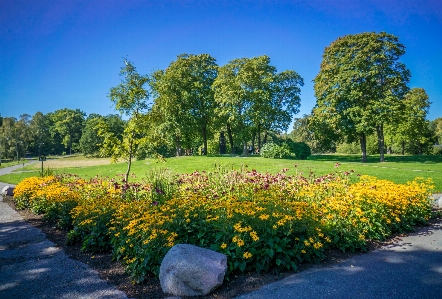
<point x="188" y="270"/>
<point x="8" y="190"/>
<point x="439" y="202"/>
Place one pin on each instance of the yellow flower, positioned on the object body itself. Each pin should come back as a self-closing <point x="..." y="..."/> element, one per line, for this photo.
<point x="254" y="236"/>
<point x="247" y="255"/>
<point x="317" y="245"/>
<point x="264" y="216"/>
<point x="224" y="246"/>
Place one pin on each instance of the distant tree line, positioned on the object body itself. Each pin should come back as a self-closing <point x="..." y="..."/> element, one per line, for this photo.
<point x="363" y="104"/>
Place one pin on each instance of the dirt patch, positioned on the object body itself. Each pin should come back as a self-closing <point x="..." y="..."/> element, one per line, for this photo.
<point x="114" y="273"/>
<point x="72" y="162"/>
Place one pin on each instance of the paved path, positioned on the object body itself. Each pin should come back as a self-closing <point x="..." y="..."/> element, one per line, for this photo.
<point x="33" y="267"/>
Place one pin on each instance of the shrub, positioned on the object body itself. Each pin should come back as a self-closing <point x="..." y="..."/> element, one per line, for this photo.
<point x="302" y="150"/>
<point x="274" y="151"/>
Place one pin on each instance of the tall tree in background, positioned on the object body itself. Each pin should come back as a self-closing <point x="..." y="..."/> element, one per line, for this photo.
<point x="184" y="95"/>
<point x="131" y="99"/>
<point x="252" y="97"/>
<point x="41" y="138"/>
<point x="68" y="124"/>
<point x="412" y="130"/>
<point x="91" y="141"/>
<point x="360" y="86"/>
<point x="437" y="128"/>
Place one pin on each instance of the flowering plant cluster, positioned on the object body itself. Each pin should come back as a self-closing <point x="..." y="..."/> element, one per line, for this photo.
<point x="262" y="222"/>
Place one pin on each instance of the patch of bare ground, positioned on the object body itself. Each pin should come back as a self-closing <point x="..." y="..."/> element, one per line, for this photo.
<point x="73" y="162"/>
<point x="114" y="273"/>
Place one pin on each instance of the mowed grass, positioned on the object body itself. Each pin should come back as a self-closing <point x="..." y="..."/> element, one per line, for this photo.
<point x="399" y="169"/>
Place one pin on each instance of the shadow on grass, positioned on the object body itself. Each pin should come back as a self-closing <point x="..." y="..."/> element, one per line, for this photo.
<point x="375" y="158"/>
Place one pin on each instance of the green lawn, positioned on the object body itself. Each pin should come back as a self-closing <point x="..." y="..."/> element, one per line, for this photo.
<point x="398" y="169"/>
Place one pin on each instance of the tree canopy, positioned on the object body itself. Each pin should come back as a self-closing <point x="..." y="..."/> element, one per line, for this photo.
<point x="360" y="85"/>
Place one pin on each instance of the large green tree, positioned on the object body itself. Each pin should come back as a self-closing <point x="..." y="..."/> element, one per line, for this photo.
<point x="412" y="130"/>
<point x="184" y="97"/>
<point x="130" y="98"/>
<point x="41" y="137"/>
<point x="91" y="141"/>
<point x="68" y="123"/>
<point x="437" y="128"/>
<point x="252" y="98"/>
<point x="360" y="86"/>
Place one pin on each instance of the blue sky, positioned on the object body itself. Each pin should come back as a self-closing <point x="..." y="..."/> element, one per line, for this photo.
<point x="68" y="53"/>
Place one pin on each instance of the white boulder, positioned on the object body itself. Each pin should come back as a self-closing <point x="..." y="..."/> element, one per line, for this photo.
<point x="188" y="270"/>
<point x="8" y="190"/>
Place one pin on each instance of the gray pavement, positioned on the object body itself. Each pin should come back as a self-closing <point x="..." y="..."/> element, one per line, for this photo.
<point x="33" y="267"/>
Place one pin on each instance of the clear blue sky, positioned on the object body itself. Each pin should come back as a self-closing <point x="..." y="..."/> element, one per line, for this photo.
<point x="68" y="53"/>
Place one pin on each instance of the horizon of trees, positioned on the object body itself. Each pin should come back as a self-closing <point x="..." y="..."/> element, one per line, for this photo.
<point x="361" y="90"/>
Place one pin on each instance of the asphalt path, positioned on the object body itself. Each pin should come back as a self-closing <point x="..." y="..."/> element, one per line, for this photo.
<point x="31" y="266"/>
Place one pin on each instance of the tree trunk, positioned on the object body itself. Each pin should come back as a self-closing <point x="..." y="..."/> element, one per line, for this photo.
<point x="403" y="147"/>
<point x="204" y="132"/>
<point x="229" y="133"/>
<point x="380" y="131"/>
<point x="253" y="142"/>
<point x="177" y="146"/>
<point x="129" y="162"/>
<point x="265" y="138"/>
<point x="363" y="140"/>
<point x="70" y="144"/>
<point x="244" y="150"/>
<point x="259" y="136"/>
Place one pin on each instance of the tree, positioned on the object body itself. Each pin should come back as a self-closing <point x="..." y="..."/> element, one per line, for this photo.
<point x="185" y="98"/>
<point x="252" y="97"/>
<point x="91" y="141"/>
<point x="41" y="138"/>
<point x="437" y="128"/>
<point x="15" y="137"/>
<point x="68" y="124"/>
<point x="130" y="98"/>
<point x="360" y="86"/>
<point x="413" y="129"/>
<point x="318" y="137"/>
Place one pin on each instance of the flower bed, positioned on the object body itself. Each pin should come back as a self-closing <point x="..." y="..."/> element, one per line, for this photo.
<point x="261" y="222"/>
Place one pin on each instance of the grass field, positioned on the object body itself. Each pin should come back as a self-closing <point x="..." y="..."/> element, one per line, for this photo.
<point x="398" y="169"/>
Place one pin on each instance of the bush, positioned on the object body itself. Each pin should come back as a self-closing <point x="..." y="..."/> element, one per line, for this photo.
<point x="274" y="151"/>
<point x="302" y="150"/>
<point x="437" y="150"/>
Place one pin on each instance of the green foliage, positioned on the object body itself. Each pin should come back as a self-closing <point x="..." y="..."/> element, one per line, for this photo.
<point x="184" y="102"/>
<point x="413" y="132"/>
<point x="253" y="98"/>
<point x="275" y="151"/>
<point x="436" y="126"/>
<point x="360" y="86"/>
<point x="91" y="141"/>
<point x="130" y="97"/>
<point x="301" y="150"/>
<point x="68" y="124"/>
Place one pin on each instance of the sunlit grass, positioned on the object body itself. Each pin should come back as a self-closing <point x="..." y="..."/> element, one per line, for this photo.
<point x="398" y="169"/>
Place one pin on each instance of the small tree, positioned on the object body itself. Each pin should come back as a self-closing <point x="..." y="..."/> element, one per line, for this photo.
<point x="130" y="98"/>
